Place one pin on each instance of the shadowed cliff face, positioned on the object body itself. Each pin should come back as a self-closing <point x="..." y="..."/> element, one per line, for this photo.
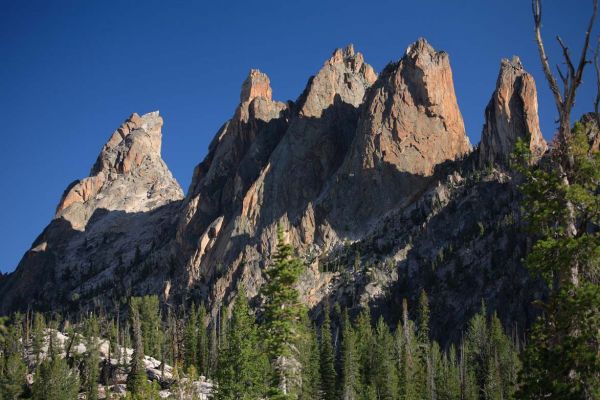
<point x="360" y="167"/>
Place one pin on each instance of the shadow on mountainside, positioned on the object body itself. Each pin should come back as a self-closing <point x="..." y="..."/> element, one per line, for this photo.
<point x="461" y="251"/>
<point x="115" y="256"/>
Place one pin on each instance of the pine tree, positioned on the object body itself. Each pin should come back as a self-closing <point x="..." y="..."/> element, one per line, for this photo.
<point x="561" y="205"/>
<point x="476" y="347"/>
<point x="310" y="359"/>
<point x="191" y="338"/>
<point x="136" y="379"/>
<point x="426" y="374"/>
<point x="350" y="387"/>
<point x="413" y="375"/>
<point x="12" y="366"/>
<point x="327" y="365"/>
<point x="364" y="334"/>
<point x="282" y="316"/>
<point x="38" y="334"/>
<point x="54" y="380"/>
<point x="385" y="375"/>
<point x="149" y="310"/>
<point x="448" y="379"/>
<point x="241" y="372"/>
<point x="91" y="370"/>
<point x="203" y="342"/>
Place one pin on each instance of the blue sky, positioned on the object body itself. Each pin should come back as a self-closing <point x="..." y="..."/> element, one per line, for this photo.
<point x="72" y="71"/>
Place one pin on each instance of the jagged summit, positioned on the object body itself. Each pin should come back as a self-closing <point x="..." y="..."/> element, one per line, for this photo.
<point x="257" y="84"/>
<point x="129" y="174"/>
<point x="511" y="113"/>
<point x="360" y="166"/>
<point x="344" y="74"/>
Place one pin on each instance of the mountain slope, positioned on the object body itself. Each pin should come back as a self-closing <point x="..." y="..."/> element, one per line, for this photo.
<point x="372" y="177"/>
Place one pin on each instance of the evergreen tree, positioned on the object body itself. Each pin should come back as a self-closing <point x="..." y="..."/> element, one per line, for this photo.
<point x="191" y="338"/>
<point x="241" y="372"/>
<point x="38" y="334"/>
<point x="136" y="379"/>
<point x="149" y="310"/>
<point x="282" y="316"/>
<point x="91" y="371"/>
<point x="412" y="372"/>
<point x="203" y="342"/>
<point x="561" y="200"/>
<point x="350" y="387"/>
<point x="327" y="365"/>
<point x="310" y="359"/>
<point x="12" y="366"/>
<point x="364" y="334"/>
<point x="448" y="379"/>
<point x="54" y="380"/>
<point x="385" y="375"/>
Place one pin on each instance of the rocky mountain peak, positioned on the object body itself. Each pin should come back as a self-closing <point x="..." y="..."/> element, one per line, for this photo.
<point x="257" y="84"/>
<point x="344" y="76"/>
<point x="411" y="120"/>
<point x="511" y="114"/>
<point x="129" y="160"/>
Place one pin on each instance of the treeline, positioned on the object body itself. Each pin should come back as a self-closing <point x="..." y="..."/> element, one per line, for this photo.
<point x="277" y="354"/>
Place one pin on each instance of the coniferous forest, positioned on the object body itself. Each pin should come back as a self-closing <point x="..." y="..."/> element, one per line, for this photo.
<point x="270" y="345"/>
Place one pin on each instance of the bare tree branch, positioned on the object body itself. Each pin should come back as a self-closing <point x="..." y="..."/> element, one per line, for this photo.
<point x="567" y="57"/>
<point x="597" y="67"/>
<point x="536" y="6"/>
<point x="576" y="79"/>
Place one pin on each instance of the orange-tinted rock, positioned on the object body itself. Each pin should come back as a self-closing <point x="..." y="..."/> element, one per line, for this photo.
<point x="512" y="113"/>
<point x="256" y="84"/>
<point x="411" y="119"/>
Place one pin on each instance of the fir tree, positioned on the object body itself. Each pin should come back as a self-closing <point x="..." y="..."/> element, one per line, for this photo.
<point x="91" y="370"/>
<point x="282" y="316"/>
<point x="364" y="334"/>
<point x="203" y="342"/>
<point x="350" y="386"/>
<point x="327" y="365"/>
<point x="12" y="366"/>
<point x="136" y="379"/>
<point x="561" y="205"/>
<point x="241" y="372"/>
<point x="191" y="338"/>
<point x="54" y="380"/>
<point x="385" y="375"/>
<point x="310" y="359"/>
<point x="149" y="311"/>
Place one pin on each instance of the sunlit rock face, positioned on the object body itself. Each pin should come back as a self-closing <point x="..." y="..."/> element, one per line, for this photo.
<point x="371" y="176"/>
<point x="105" y="225"/>
<point x="512" y="113"/>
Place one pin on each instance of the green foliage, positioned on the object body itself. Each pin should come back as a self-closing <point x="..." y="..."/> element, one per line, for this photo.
<point x="282" y="314"/>
<point x="561" y="202"/>
<point x="91" y="371"/>
<point x="385" y="375"/>
<point x="350" y="372"/>
<point x="136" y="379"/>
<point x="54" y="380"/>
<point x="202" y="347"/>
<point x="191" y="338"/>
<point x="242" y="370"/>
<point x="149" y="311"/>
<point x="327" y="367"/>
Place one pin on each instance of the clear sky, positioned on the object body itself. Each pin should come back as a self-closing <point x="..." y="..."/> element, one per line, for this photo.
<point x="72" y="71"/>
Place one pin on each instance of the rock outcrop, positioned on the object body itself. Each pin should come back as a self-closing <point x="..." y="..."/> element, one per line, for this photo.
<point x="129" y="175"/>
<point x="104" y="224"/>
<point x="512" y="113"/>
<point x="410" y="123"/>
<point x="372" y="177"/>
